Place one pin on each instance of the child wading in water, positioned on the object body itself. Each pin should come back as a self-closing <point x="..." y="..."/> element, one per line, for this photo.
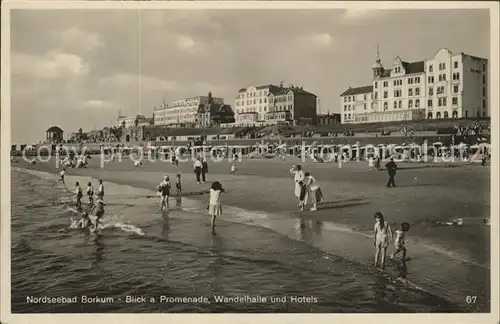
<point x="79" y="195"/>
<point x="90" y="193"/>
<point x="400" y="241"/>
<point x="164" y="190"/>
<point x="84" y="222"/>
<point x="214" y="207"/>
<point x="383" y="235"/>
<point x="178" y="185"/>
<point x="99" y="212"/>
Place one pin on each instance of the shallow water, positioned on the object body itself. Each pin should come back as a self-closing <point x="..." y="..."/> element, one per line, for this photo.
<point x="142" y="252"/>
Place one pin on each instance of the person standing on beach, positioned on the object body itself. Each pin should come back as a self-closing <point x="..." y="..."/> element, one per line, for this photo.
<point x="100" y="190"/>
<point x="204" y="168"/>
<point x="313" y="190"/>
<point x="214" y="206"/>
<point x="61" y="177"/>
<point x="197" y="169"/>
<point x="391" y="169"/>
<point x="164" y="190"/>
<point x="382" y="236"/>
<point x="178" y="185"/>
<point x="299" y="177"/>
<point x="79" y="195"/>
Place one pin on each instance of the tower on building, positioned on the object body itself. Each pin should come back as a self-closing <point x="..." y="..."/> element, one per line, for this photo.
<point x="377" y="68"/>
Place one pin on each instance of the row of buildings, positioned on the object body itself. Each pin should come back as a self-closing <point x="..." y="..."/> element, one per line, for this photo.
<point x="445" y="86"/>
<point x="253" y="106"/>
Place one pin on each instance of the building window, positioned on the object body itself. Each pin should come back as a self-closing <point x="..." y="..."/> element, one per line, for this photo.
<point x="364" y="97"/>
<point x="446" y="115"/>
<point x="397" y="93"/>
<point x="442" y="66"/>
<point x="456" y="76"/>
<point x="484" y="67"/>
<point x="386" y="84"/>
<point x="417" y="103"/>
<point x="376" y="84"/>
<point x="410" y="104"/>
<point x="484" y="79"/>
<point x="410" y="92"/>
<point x="455" y="65"/>
<point x="410" y="81"/>
<point x="400" y="104"/>
<point x="440" y="90"/>
<point x="417" y="91"/>
<point x="455" y="89"/>
<point x="454" y="101"/>
<point x="444" y="102"/>
<point x="349" y="99"/>
<point x="385" y="94"/>
<point x="430" y="68"/>
<point x="365" y="106"/>
<point x="430" y="79"/>
<point x="429" y="115"/>
<point x="454" y="114"/>
<point x="484" y="103"/>
<point x="466" y="114"/>
<point x="440" y="102"/>
<point x="431" y="91"/>
<point x="376" y="95"/>
<point x="394" y="82"/>
<point x="417" y="80"/>
<point x="395" y="104"/>
<point x="385" y="106"/>
<point x="438" y="115"/>
<point x="429" y="103"/>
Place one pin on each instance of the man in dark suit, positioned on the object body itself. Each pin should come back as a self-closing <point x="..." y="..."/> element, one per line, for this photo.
<point x="391" y="169"/>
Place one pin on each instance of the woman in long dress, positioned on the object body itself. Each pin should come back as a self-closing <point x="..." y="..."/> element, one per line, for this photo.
<point x="299" y="177"/>
<point x="313" y="190"/>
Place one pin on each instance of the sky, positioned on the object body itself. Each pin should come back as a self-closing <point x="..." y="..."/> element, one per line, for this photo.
<point x="79" y="68"/>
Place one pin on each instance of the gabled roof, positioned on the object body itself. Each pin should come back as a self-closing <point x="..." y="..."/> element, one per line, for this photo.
<point x="242" y="90"/>
<point x="358" y="90"/>
<point x="414" y="67"/>
<point x="296" y="90"/>
<point x="215" y="108"/>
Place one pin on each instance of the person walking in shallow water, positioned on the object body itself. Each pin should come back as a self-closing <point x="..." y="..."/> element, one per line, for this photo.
<point x="214" y="206"/>
<point x="382" y="236"/>
<point x="391" y="169"/>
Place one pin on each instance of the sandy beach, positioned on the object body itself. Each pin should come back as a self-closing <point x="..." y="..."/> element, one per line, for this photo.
<point x="352" y="194"/>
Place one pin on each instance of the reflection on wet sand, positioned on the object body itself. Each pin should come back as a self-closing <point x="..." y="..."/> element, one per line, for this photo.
<point x="309" y="230"/>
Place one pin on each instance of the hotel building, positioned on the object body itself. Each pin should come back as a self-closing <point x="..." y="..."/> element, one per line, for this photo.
<point x="446" y="86"/>
<point x="183" y="112"/>
<point x="271" y="105"/>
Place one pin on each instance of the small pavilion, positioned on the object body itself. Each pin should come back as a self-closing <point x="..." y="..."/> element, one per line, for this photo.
<point x="55" y="134"/>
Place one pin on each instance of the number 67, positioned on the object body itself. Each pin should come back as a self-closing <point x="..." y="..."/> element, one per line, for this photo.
<point x="470" y="299"/>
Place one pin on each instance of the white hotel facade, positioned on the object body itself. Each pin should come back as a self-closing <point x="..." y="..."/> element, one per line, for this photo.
<point x="181" y="112"/>
<point x="446" y="86"/>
